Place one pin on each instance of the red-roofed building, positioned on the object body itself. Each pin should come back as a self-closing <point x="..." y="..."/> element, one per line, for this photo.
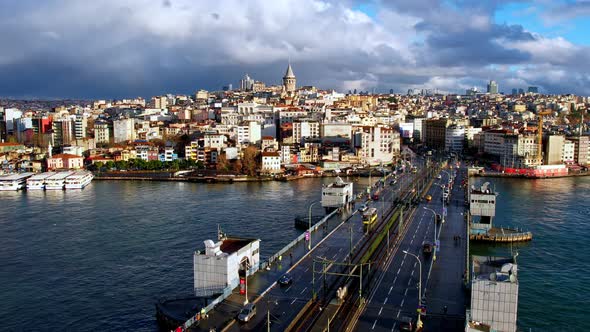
<point x="65" y="161"/>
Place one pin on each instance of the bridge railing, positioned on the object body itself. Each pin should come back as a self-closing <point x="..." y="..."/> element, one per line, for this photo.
<point x="297" y="240"/>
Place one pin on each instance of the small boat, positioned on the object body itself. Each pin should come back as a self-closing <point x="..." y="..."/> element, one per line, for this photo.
<point x="79" y="180"/>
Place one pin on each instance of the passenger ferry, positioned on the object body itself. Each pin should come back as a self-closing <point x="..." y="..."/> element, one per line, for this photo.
<point x="57" y="181"/>
<point x="370" y="216"/>
<point x="14" y="181"/>
<point x="79" y="180"/>
<point x="37" y="181"/>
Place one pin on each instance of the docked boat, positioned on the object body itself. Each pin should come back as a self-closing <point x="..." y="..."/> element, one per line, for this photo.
<point x="57" y="181"/>
<point x="79" y="180"/>
<point x="337" y="194"/>
<point x="14" y="182"/>
<point x="37" y="181"/>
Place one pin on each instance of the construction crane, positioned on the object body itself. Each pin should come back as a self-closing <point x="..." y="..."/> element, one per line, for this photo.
<point x="541" y="114"/>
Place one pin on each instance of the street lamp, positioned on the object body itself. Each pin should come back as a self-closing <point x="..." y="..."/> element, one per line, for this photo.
<point x="434" y="213"/>
<point x="309" y="230"/>
<point x="419" y="323"/>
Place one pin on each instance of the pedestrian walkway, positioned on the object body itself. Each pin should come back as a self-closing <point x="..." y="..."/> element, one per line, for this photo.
<point x="445" y="294"/>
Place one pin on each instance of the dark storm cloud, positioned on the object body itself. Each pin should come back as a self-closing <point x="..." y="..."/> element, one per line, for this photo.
<point x="123" y="48"/>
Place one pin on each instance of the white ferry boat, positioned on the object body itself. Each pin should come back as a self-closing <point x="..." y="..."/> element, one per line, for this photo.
<point x="79" y="180"/>
<point x="57" y="181"/>
<point x="37" y="181"/>
<point x="337" y="194"/>
<point x="14" y="181"/>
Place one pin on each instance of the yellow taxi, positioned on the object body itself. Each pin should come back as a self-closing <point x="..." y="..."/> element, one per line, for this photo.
<point x="428" y="198"/>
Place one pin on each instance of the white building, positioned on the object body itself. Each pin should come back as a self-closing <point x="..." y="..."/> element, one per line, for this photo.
<point x="568" y="152"/>
<point x="218" y="268"/>
<point x="249" y="133"/>
<point x="124" y="130"/>
<point x="454" y="139"/>
<point x="305" y="129"/>
<point x="376" y="145"/>
<point x="285" y="154"/>
<point x="101" y="132"/>
<point x="216" y="141"/>
<point x="494" y="295"/>
<point x="80" y="124"/>
<point x="271" y="163"/>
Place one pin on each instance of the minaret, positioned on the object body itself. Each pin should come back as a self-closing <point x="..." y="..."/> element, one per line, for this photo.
<point x="289" y="80"/>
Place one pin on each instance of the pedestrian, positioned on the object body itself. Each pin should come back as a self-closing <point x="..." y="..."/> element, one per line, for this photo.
<point x="445" y="310"/>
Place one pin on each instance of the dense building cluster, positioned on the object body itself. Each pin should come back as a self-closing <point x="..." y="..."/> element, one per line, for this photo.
<point x="266" y="129"/>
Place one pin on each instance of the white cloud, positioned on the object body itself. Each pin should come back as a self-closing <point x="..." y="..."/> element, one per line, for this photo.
<point x="188" y="44"/>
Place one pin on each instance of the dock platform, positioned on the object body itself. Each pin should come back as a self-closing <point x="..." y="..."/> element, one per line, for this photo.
<point x="502" y="235"/>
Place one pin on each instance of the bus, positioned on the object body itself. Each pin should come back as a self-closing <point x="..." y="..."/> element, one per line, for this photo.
<point x="370" y="216"/>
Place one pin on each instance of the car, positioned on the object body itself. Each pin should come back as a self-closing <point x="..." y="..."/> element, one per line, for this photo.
<point x="375" y="197"/>
<point x="406" y="323"/>
<point x="392" y="182"/>
<point x="427" y="248"/>
<point x="438" y="177"/>
<point x="285" y="280"/>
<point x="247" y="312"/>
<point x="363" y="208"/>
<point x="428" y="198"/>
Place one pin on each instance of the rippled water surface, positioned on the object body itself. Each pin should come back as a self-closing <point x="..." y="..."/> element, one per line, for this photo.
<point x="554" y="269"/>
<point x="99" y="258"/>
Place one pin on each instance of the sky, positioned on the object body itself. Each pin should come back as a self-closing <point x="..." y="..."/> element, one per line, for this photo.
<point x="106" y="49"/>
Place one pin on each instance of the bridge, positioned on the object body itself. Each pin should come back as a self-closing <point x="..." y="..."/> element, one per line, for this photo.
<point x="358" y="278"/>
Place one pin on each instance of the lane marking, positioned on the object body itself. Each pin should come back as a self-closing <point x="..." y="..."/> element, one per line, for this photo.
<point x="390" y="288"/>
<point x="374" y="325"/>
<point x="398" y="270"/>
<point x="394" y="281"/>
<point x="286" y="290"/>
<point x="403" y="302"/>
<point x="294" y="301"/>
<point x="406" y="292"/>
<point x="385" y="302"/>
<point x="398" y="312"/>
<point x="303" y="290"/>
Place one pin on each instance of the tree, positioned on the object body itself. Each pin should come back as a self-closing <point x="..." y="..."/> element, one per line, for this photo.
<point x="110" y="165"/>
<point x="222" y="164"/>
<point x="200" y="165"/>
<point x="250" y="160"/>
<point x="237" y="166"/>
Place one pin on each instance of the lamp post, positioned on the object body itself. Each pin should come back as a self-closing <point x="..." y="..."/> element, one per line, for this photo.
<point x="419" y="323"/>
<point x="309" y="230"/>
<point x="434" y="213"/>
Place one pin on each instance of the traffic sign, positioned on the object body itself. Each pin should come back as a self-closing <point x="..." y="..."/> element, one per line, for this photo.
<point x="437" y="245"/>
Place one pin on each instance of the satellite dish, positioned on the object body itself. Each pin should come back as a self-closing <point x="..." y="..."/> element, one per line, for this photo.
<point x="493" y="276"/>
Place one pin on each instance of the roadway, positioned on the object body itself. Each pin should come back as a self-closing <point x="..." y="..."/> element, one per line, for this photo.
<point x="286" y="302"/>
<point x="395" y="293"/>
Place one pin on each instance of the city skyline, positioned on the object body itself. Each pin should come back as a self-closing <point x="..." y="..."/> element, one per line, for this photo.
<point x="136" y="48"/>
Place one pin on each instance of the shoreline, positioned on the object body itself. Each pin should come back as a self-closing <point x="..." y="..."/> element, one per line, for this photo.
<point x="522" y="176"/>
